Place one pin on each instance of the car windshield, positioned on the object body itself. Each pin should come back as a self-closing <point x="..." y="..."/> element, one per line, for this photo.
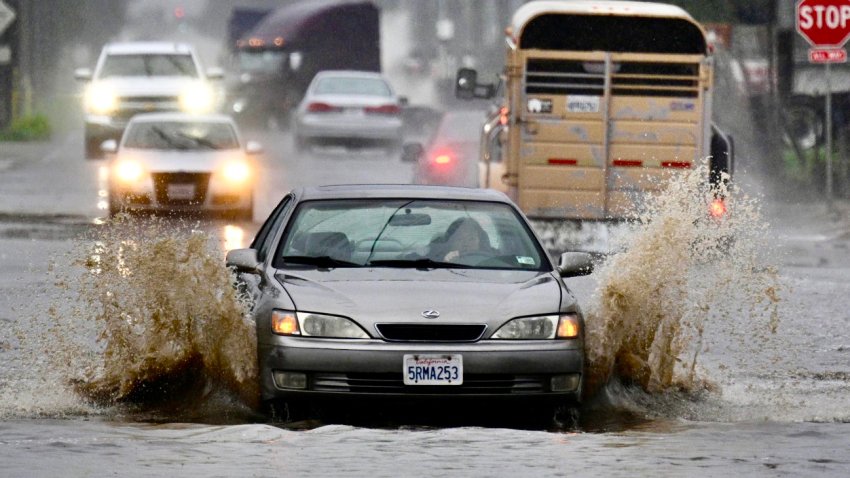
<point x="411" y="233"/>
<point x="352" y="86"/>
<point x="149" y="65"/>
<point x="181" y="135"/>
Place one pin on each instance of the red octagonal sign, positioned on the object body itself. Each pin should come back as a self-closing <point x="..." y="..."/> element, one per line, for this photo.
<point x="824" y="23"/>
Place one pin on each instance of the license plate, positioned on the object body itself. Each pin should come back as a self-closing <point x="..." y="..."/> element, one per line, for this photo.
<point x="181" y="191"/>
<point x="433" y="369"/>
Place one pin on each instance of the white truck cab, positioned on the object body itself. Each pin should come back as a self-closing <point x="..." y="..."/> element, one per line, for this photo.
<point x="138" y="77"/>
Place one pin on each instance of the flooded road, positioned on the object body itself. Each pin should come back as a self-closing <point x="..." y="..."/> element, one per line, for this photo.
<point x="770" y="398"/>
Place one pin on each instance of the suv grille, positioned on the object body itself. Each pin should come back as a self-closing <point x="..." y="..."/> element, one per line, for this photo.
<point x="431" y="333"/>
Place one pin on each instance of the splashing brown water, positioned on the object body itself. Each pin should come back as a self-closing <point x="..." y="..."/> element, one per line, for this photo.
<point x="168" y="321"/>
<point x="676" y="268"/>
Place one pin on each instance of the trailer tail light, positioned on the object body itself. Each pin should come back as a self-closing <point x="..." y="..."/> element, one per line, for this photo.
<point x="317" y="107"/>
<point x="717" y="208"/>
<point x="383" y="110"/>
<point x="628" y="163"/>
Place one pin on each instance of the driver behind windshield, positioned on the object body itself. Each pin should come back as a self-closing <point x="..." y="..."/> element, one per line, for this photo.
<point x="464" y="236"/>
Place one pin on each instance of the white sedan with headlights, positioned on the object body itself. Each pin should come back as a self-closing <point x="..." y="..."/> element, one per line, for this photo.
<point x="182" y="162"/>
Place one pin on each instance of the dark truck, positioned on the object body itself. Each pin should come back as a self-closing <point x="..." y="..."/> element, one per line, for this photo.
<point x="275" y="61"/>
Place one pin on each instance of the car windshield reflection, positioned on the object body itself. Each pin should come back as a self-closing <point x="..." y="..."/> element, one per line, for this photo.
<point x="416" y="234"/>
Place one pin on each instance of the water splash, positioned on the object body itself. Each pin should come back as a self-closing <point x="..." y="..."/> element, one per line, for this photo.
<point x="675" y="271"/>
<point x="169" y="325"/>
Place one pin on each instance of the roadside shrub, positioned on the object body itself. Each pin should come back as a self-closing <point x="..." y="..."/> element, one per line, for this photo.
<point x="27" y="128"/>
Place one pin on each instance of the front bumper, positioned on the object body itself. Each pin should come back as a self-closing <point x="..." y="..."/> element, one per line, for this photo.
<point x="372" y="368"/>
<point x="333" y="126"/>
<point x="209" y="193"/>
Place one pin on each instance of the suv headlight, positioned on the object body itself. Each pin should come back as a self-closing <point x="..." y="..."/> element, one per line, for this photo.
<point x="308" y="324"/>
<point x="236" y="172"/>
<point x="564" y="326"/>
<point x="100" y="99"/>
<point x="200" y="98"/>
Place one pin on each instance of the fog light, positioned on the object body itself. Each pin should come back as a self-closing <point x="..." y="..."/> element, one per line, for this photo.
<point x="565" y="383"/>
<point x="290" y="380"/>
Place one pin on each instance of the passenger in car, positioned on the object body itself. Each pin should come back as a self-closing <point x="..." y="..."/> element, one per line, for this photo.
<point x="463" y="236"/>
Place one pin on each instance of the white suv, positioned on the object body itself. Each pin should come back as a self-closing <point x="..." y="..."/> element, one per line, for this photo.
<point x="142" y="77"/>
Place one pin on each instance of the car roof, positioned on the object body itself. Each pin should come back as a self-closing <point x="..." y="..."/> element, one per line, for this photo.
<point x="400" y="191"/>
<point x="177" y="116"/>
<point x="131" y="48"/>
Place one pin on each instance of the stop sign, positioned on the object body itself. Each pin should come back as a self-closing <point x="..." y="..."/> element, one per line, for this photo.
<point x="824" y="23"/>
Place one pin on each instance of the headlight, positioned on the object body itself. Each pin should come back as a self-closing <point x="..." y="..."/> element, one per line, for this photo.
<point x="198" y="99"/>
<point x="564" y="326"/>
<point x="128" y="171"/>
<point x="315" y="325"/>
<point x="236" y="171"/>
<point x="100" y="99"/>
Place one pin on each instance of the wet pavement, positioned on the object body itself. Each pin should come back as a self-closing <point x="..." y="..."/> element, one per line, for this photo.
<point x="773" y="402"/>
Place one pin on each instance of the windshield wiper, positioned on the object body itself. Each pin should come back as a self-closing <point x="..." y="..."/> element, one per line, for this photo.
<point x="319" y="261"/>
<point x="167" y="138"/>
<point x="198" y="140"/>
<point x="421" y="263"/>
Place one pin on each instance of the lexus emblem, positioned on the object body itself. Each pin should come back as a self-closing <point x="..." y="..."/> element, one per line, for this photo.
<point x="431" y="314"/>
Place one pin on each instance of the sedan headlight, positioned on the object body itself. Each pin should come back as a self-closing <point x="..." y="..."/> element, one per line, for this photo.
<point x="100" y="99"/>
<point x="129" y="171"/>
<point x="308" y="324"/>
<point x="236" y="172"/>
<point x="198" y="99"/>
<point x="565" y="326"/>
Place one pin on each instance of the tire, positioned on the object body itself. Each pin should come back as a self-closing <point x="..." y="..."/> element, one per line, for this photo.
<point x="92" y="148"/>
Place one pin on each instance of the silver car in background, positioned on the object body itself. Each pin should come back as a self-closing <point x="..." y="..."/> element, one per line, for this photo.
<point x="410" y="291"/>
<point x="182" y="162"/>
<point x="349" y="108"/>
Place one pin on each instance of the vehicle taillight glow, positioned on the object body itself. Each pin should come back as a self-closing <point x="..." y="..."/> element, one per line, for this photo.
<point x="442" y="159"/>
<point x="383" y="110"/>
<point x="717" y="208"/>
<point x="318" y="107"/>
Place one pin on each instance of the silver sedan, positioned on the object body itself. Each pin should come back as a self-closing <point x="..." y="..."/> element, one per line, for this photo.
<point x="349" y="108"/>
<point x="410" y="291"/>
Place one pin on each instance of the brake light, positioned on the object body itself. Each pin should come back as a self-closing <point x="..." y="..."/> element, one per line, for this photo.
<point x="383" y="110"/>
<point x="443" y="159"/>
<point x="717" y="208"/>
<point x="318" y="107"/>
<point x="503" y="116"/>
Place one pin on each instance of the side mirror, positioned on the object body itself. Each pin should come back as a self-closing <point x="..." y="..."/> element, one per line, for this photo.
<point x="465" y="83"/>
<point x="243" y="260"/>
<point x="403" y="100"/>
<point x="110" y="146"/>
<point x="574" y="264"/>
<point x="253" y="147"/>
<point x="411" y="152"/>
<point x="83" y="74"/>
<point x="468" y="88"/>
<point x="215" y="73"/>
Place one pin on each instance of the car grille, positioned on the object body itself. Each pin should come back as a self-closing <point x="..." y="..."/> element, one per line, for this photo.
<point x="431" y="332"/>
<point x="162" y="180"/>
<point x="393" y="383"/>
<point x="131" y="105"/>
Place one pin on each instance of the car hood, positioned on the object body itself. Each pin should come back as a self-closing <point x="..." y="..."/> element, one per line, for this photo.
<point x="149" y="86"/>
<point x="372" y="296"/>
<point x="181" y="161"/>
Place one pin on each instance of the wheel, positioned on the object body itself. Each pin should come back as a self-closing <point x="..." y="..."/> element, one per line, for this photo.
<point x="114" y="207"/>
<point x="302" y="144"/>
<point x="92" y="147"/>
